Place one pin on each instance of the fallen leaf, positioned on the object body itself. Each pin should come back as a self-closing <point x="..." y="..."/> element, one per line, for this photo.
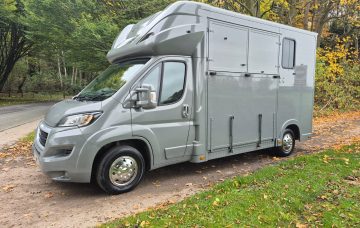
<point x="142" y="224"/>
<point x="49" y="195"/>
<point x="8" y="188"/>
<point x="346" y="160"/>
<point x="355" y="183"/>
<point x="300" y="225"/>
<point x="216" y="202"/>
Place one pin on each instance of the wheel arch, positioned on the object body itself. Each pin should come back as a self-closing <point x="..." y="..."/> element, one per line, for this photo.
<point x="292" y="125"/>
<point x="294" y="128"/>
<point x="141" y="144"/>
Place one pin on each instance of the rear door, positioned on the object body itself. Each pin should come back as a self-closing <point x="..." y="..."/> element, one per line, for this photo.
<point x="170" y="120"/>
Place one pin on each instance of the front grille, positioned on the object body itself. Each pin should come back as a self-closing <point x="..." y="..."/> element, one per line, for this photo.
<point x="42" y="137"/>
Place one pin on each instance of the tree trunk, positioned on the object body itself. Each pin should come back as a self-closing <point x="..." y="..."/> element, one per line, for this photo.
<point x="6" y="73"/>
<point x="292" y="12"/>
<point x="251" y="7"/>
<point x="356" y="40"/>
<point x="13" y="43"/>
<point x="59" y="73"/>
<point x="81" y="78"/>
<point x="306" y="16"/>
<point x="75" y="76"/>
<point x="21" y="85"/>
<point x="64" y="64"/>
<point x="72" y="75"/>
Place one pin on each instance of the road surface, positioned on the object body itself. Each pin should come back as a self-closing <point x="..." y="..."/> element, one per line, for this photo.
<point x="16" y="115"/>
<point x="18" y="120"/>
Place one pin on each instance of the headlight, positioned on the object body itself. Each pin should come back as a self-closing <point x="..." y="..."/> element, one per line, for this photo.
<point x="79" y="120"/>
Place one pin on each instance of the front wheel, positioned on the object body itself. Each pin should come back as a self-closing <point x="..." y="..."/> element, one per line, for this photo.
<point x="288" y="144"/>
<point x="120" y="170"/>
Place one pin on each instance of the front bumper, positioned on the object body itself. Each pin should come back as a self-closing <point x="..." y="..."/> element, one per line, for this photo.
<point x="59" y="155"/>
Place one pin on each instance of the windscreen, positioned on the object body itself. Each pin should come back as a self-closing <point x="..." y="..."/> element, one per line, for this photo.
<point x="111" y="80"/>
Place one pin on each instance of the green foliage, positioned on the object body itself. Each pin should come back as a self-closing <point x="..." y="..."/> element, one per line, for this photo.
<point x="313" y="190"/>
<point x="70" y="40"/>
<point x="78" y="31"/>
<point x="337" y="80"/>
<point x="29" y="137"/>
<point x="343" y="93"/>
<point x="13" y="42"/>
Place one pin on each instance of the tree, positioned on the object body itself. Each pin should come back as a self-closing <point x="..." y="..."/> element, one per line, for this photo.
<point x="13" y="42"/>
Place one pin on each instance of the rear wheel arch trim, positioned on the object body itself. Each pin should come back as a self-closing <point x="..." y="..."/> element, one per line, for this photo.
<point x="287" y="125"/>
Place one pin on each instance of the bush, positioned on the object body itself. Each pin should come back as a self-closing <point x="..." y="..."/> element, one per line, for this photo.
<point x="337" y="80"/>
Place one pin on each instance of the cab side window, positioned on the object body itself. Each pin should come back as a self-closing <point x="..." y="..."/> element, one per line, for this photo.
<point x="153" y="78"/>
<point x="173" y="82"/>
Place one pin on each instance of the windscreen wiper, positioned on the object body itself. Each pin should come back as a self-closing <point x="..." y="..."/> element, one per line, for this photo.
<point x="80" y="97"/>
<point x="93" y="97"/>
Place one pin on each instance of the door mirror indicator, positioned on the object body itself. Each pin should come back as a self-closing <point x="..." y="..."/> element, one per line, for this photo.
<point x="145" y="97"/>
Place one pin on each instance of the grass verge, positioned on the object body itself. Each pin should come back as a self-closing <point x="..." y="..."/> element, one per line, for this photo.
<point x="29" y="138"/>
<point x="29" y="98"/>
<point x="318" y="190"/>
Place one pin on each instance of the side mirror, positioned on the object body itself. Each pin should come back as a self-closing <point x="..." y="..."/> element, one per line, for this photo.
<point x="146" y="97"/>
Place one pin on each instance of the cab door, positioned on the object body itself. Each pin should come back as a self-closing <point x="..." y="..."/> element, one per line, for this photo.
<point x="167" y="126"/>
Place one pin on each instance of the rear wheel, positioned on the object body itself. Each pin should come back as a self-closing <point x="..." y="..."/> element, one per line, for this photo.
<point x="120" y="170"/>
<point x="288" y="144"/>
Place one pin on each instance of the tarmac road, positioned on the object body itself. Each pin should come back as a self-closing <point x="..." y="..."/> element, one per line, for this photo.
<point x="17" y="121"/>
<point x="16" y="115"/>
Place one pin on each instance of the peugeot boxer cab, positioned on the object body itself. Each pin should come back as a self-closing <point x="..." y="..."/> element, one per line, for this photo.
<point x="190" y="83"/>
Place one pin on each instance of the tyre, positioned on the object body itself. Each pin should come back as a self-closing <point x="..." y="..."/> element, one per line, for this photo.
<point x="288" y="144"/>
<point x="120" y="170"/>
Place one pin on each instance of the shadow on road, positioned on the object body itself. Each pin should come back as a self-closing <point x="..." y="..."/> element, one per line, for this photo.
<point x="168" y="178"/>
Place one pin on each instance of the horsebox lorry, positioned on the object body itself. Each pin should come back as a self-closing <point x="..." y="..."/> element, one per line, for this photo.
<point x="190" y="83"/>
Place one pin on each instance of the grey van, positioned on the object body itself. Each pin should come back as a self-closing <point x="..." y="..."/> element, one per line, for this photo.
<point x="190" y="83"/>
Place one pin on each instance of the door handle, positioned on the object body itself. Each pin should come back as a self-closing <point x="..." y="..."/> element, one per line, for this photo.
<point x="185" y="111"/>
